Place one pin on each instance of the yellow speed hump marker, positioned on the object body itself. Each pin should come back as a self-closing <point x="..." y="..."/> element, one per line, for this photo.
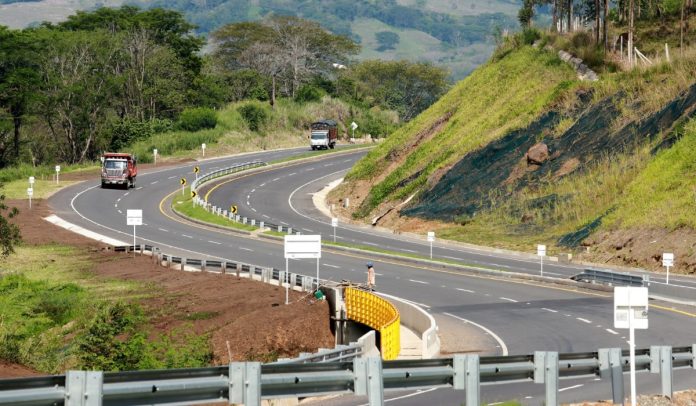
<point x="196" y="169"/>
<point x="193" y="194"/>
<point x="233" y="209"/>
<point x="182" y="181"/>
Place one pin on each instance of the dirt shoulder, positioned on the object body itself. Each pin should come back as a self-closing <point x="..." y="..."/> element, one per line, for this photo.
<point x="250" y="316"/>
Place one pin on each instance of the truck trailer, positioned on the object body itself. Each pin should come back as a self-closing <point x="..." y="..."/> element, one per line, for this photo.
<point x="118" y="169"/>
<point x="323" y="134"/>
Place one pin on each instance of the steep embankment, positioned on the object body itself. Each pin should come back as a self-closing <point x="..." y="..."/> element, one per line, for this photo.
<point x="521" y="152"/>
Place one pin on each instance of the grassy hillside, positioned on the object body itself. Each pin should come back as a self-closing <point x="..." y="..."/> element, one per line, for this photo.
<point x="618" y="175"/>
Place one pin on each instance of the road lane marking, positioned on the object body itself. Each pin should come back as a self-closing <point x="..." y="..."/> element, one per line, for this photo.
<point x="413" y="251"/>
<point x="487" y="330"/>
<point x="291" y="174"/>
<point x="187" y="236"/>
<point x="549" y="310"/>
<point x="252" y="190"/>
<point x="308" y="230"/>
<point x="417" y="281"/>
<point x="126" y="194"/>
<point x="332" y="266"/>
<point x="265" y="216"/>
<point x="162" y="229"/>
<point x="276" y="179"/>
<point x="152" y="183"/>
<point x="612" y="331"/>
<point x="139" y="188"/>
<point x="584" y="320"/>
<point x="246" y="249"/>
<point x="120" y="212"/>
<point x="171" y="177"/>
<point x="253" y="209"/>
<point x="570" y="387"/>
<point x="465" y="290"/>
<point x="509" y="300"/>
<point x="262" y="185"/>
<point x="215" y="242"/>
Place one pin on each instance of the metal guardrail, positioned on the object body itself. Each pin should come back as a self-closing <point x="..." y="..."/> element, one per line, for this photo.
<point x="608" y="277"/>
<point x="251" y="382"/>
<point x="224" y="172"/>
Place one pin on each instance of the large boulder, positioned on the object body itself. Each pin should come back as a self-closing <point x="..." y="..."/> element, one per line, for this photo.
<point x="537" y="154"/>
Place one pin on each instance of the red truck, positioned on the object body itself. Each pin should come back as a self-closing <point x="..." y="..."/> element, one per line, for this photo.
<point x="118" y="169"/>
<point x="323" y="135"/>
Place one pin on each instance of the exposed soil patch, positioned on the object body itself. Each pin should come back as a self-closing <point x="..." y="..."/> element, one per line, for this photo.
<point x="250" y="315"/>
<point x="644" y="248"/>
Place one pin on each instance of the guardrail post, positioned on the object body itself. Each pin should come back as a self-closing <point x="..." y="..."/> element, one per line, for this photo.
<point x="290" y="230"/>
<point x="693" y="356"/>
<point x="280" y="229"/>
<point x="203" y="265"/>
<point x="253" y="222"/>
<point x="539" y="366"/>
<point x="616" y="371"/>
<point x="183" y="263"/>
<point x="261" y="225"/>
<point x="245" y="383"/>
<point x="655" y="359"/>
<point x="459" y="372"/>
<point x="368" y="379"/>
<point x="467" y="376"/>
<point x="666" y="370"/>
<point x="238" y="269"/>
<point x="83" y="388"/>
<point x="551" y="378"/>
<point x="223" y="267"/>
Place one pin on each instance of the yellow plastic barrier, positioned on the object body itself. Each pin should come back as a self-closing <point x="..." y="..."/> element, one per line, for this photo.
<point x="373" y="311"/>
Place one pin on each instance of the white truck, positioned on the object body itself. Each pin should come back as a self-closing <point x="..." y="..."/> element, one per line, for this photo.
<point x="324" y="134"/>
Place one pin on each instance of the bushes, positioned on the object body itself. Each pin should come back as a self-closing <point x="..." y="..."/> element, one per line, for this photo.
<point x="197" y="119"/>
<point x="254" y="115"/>
<point x="309" y="93"/>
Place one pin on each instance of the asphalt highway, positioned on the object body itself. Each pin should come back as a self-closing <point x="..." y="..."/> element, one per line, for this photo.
<point x="518" y="317"/>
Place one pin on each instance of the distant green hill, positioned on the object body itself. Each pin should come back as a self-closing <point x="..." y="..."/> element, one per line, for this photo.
<point x="455" y="34"/>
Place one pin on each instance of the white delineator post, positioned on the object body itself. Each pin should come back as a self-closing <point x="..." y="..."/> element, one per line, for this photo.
<point x="203" y="149"/>
<point x="667" y="262"/>
<point x="431" y="238"/>
<point x="334" y="224"/>
<point x="154" y="154"/>
<point x="30" y="193"/>
<point x="631" y="311"/>
<point x="541" y="252"/>
<point x="134" y="218"/>
<point x="57" y="174"/>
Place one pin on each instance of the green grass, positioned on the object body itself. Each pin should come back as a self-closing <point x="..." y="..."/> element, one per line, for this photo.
<point x="45" y="172"/>
<point x="42" y="188"/>
<point x="662" y="195"/>
<point x="183" y="204"/>
<point x="494" y="100"/>
<point x="313" y="154"/>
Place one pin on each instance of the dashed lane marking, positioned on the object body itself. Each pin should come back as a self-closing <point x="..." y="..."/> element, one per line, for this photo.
<point x="162" y="229"/>
<point x="187" y="236"/>
<point x="332" y="266"/>
<point x="584" y="320"/>
<point x="215" y="242"/>
<point x="465" y="290"/>
<point x="612" y="331"/>
<point x="417" y="281"/>
<point x="246" y="249"/>
<point x="570" y="387"/>
<point x="549" y="310"/>
<point x="152" y="183"/>
<point x="509" y="300"/>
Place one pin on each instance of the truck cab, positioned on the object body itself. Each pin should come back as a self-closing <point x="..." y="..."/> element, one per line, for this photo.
<point x="323" y="134"/>
<point x="118" y="169"/>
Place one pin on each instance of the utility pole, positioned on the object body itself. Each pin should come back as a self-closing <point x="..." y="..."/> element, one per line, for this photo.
<point x="631" y="6"/>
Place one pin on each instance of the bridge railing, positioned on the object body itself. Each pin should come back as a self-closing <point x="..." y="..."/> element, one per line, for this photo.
<point x="250" y="382"/>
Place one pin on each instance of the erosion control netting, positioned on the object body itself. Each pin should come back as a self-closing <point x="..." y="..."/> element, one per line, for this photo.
<point x="464" y="190"/>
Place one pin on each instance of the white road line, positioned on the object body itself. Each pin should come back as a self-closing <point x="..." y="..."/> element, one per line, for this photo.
<point x="276" y="179"/>
<point x="549" y="310"/>
<point x="284" y="223"/>
<point x="465" y="290"/>
<point x="332" y="266"/>
<point x="120" y="212"/>
<point x="611" y="331"/>
<point x="584" y="320"/>
<point x="570" y="387"/>
<point x="126" y="194"/>
<point x="115" y="204"/>
<point x="138" y="188"/>
<point x="118" y="200"/>
<point x="253" y="209"/>
<point x="347" y="160"/>
<point x="309" y="169"/>
<point x="171" y="177"/>
<point x="262" y="185"/>
<point x="509" y="300"/>
<point x="187" y="236"/>
<point x="371" y="243"/>
<point x="416" y="393"/>
<point x="553" y="273"/>
<point x="152" y="183"/>
<point x="265" y="216"/>
<point x="252" y="190"/>
<point x="308" y="230"/>
<point x="291" y="174"/>
<point x="328" y="165"/>
<point x="162" y="229"/>
<point x="454" y="258"/>
<point x="413" y="251"/>
<point x="378" y="274"/>
<point x="492" y="334"/>
<point x="416" y="281"/>
<point x="246" y="249"/>
<point x="248" y="197"/>
<point x="215" y="242"/>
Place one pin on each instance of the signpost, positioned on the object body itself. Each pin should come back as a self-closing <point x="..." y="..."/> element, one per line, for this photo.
<point x="667" y="262"/>
<point x="334" y="224"/>
<point x="541" y="252"/>
<point x="30" y="193"/>
<point x="154" y="153"/>
<point x="134" y="218"/>
<point x="431" y="238"/>
<point x="203" y="148"/>
<point x="301" y="246"/>
<point x="353" y="126"/>
<point x="57" y="174"/>
<point x="183" y="185"/>
<point x="631" y="312"/>
<point x="196" y="169"/>
<point x="31" y="181"/>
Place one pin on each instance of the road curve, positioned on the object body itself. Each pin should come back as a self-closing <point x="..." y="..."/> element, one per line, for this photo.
<point x="523" y="317"/>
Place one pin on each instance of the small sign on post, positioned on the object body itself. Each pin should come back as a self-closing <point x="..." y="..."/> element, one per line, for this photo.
<point x="431" y="239"/>
<point x="302" y="246"/>
<point x="353" y="126"/>
<point x="30" y="193"/>
<point x="667" y="262"/>
<point x="134" y="218"/>
<point x="183" y="185"/>
<point x="196" y="169"/>
<point x="31" y="181"/>
<point x="631" y="312"/>
<point x="57" y="174"/>
<point x="541" y="252"/>
<point x="334" y="224"/>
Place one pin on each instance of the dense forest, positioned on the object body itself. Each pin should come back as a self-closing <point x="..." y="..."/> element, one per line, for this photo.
<point x="104" y="79"/>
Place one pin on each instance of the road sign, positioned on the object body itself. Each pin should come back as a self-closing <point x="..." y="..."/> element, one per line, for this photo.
<point x="30" y="192"/>
<point x="431" y="236"/>
<point x="57" y="168"/>
<point x="353" y="126"/>
<point x="631" y="312"/>
<point x="31" y="180"/>
<point x="134" y="217"/>
<point x="193" y="194"/>
<point x="667" y="259"/>
<point x="334" y="222"/>
<point x="196" y="169"/>
<point x="541" y="250"/>
<point x="182" y="181"/>
<point x="302" y="246"/>
<point x="233" y="209"/>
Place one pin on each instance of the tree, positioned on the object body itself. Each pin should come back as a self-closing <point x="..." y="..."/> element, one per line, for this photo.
<point x="386" y="40"/>
<point x="526" y="13"/>
<point x="406" y="87"/>
<point x="9" y="233"/>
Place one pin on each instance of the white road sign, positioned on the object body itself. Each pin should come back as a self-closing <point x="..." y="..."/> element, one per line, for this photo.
<point x="627" y="298"/>
<point x="431" y="236"/>
<point x="541" y="250"/>
<point x="334" y="222"/>
<point x="203" y="146"/>
<point x="30" y="192"/>
<point x="353" y="126"/>
<point x="302" y="246"/>
<point x="667" y="259"/>
<point x="57" y="168"/>
<point x="31" y="180"/>
<point x="134" y="217"/>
